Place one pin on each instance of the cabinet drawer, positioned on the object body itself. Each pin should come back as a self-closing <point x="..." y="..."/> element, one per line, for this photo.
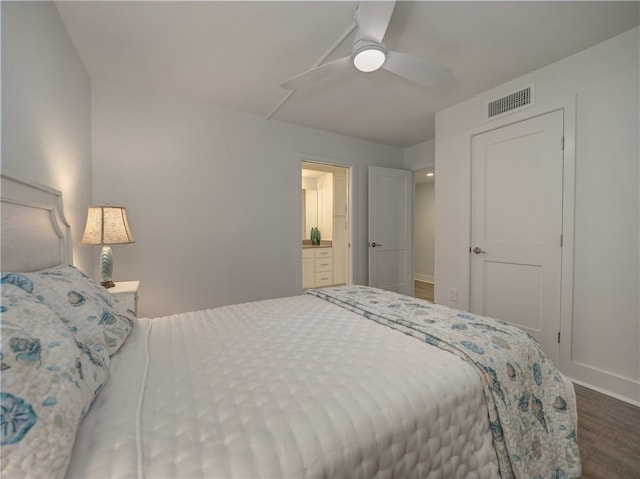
<point x="324" y="252"/>
<point x="324" y="278"/>
<point x="307" y="253"/>
<point x="324" y="264"/>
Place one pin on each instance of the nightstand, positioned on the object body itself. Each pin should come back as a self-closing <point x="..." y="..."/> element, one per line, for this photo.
<point x="127" y="293"/>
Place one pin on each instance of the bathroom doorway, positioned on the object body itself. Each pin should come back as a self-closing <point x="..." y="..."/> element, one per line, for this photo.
<point x="325" y="225"/>
<point x="424" y="233"/>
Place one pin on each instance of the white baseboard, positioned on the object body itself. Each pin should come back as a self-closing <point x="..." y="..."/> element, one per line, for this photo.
<point x="425" y="278"/>
<point x="605" y="392"/>
<point x="606" y="382"/>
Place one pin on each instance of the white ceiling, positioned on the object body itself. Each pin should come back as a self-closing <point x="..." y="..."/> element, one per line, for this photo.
<point x="236" y="54"/>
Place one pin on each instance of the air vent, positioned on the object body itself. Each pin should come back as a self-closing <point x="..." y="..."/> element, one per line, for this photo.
<point x="510" y="103"/>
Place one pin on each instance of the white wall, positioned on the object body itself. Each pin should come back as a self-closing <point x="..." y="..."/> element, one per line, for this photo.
<point x="424" y="233"/>
<point x="604" y="349"/>
<point x="213" y="197"/>
<point x="46" y="111"/>
<point x="420" y="156"/>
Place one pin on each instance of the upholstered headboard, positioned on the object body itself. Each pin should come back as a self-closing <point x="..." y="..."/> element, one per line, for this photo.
<point x="35" y="233"/>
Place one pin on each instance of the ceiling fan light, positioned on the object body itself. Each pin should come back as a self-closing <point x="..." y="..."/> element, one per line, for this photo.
<point x="369" y="58"/>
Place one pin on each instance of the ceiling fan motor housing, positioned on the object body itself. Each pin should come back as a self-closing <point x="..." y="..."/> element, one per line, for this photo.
<point x="368" y="56"/>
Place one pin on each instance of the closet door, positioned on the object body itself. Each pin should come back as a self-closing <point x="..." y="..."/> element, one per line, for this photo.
<point x="516" y="226"/>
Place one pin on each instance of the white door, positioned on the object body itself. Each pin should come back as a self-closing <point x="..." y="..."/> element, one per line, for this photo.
<point x="391" y="229"/>
<point x="516" y="230"/>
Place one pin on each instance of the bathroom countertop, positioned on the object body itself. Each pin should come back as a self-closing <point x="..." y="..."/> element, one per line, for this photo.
<point x="323" y="244"/>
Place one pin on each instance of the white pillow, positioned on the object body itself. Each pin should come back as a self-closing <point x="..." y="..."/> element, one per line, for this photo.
<point x="49" y="380"/>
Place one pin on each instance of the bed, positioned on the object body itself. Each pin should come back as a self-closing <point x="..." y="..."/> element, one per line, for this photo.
<point x="348" y="382"/>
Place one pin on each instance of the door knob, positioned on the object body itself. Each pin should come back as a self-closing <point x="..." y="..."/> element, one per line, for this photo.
<point x="478" y="250"/>
<point x="374" y="244"/>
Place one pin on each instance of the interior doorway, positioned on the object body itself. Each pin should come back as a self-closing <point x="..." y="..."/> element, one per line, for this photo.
<point x="424" y="233"/>
<point x="325" y="225"/>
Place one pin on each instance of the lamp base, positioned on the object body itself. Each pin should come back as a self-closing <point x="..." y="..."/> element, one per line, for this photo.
<point x="106" y="266"/>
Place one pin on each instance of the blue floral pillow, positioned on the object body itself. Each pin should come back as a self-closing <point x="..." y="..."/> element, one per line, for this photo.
<point x="95" y="316"/>
<point x="49" y="380"/>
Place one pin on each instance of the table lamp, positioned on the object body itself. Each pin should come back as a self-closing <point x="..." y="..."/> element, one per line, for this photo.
<point x="106" y="225"/>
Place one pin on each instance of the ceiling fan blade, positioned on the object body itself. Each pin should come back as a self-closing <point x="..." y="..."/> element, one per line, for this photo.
<point x="317" y="73"/>
<point x="373" y="19"/>
<point x="416" y="69"/>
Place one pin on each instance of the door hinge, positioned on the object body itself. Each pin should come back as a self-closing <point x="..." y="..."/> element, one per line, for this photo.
<point x="562" y="143"/>
<point x="561" y="241"/>
<point x="558" y="337"/>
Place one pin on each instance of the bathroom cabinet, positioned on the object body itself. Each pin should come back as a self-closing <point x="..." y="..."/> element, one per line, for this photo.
<point x="317" y="267"/>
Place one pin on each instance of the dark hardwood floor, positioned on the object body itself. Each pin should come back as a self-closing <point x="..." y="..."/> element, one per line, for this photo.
<point x="608" y="436"/>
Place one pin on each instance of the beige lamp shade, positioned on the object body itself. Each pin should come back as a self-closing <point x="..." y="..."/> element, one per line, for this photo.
<point x="107" y="225"/>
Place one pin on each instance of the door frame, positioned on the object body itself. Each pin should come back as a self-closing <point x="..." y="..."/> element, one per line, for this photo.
<point x="351" y="194"/>
<point x="568" y="105"/>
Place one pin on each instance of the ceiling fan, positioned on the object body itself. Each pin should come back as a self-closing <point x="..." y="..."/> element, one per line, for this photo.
<point x="369" y="53"/>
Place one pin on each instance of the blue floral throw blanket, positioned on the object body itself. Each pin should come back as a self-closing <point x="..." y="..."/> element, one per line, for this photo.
<point x="532" y="412"/>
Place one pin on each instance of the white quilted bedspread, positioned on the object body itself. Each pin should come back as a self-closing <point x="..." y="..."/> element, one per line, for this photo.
<point x="291" y="387"/>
